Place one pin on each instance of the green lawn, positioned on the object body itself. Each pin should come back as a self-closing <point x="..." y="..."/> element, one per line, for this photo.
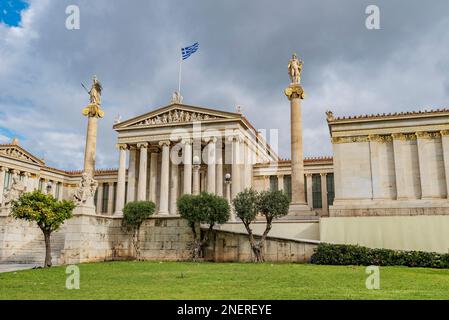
<point x="183" y="280"/>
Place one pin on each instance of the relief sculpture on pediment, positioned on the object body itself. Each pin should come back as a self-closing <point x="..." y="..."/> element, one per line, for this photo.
<point x="177" y="116"/>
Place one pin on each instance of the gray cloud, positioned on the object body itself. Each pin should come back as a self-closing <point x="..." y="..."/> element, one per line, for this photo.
<point x="133" y="47"/>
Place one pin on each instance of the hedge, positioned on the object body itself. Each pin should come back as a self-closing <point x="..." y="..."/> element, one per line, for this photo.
<point x="337" y="254"/>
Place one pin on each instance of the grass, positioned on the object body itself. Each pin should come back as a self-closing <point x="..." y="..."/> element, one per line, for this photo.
<point x="184" y="280"/>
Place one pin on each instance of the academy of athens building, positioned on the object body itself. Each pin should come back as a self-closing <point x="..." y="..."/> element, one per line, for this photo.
<point x="386" y="185"/>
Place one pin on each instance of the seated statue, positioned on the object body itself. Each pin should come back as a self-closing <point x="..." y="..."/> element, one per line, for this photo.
<point x="86" y="189"/>
<point x="14" y="193"/>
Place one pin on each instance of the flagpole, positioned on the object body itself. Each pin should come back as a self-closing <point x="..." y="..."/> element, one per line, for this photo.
<point x="179" y="76"/>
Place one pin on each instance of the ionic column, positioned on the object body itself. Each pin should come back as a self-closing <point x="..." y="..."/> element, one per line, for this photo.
<point x="44" y="185"/>
<point x="211" y="163"/>
<point x="110" y="197"/>
<point x="236" y="163"/>
<point x="165" y="178"/>
<point x="219" y="169"/>
<point x="26" y="182"/>
<point x="2" y="182"/>
<point x="142" y="184"/>
<point x="121" y="180"/>
<point x="281" y="182"/>
<point x="324" y="204"/>
<point x="99" y="204"/>
<point x="187" y="160"/>
<point x="174" y="182"/>
<point x="196" y="178"/>
<point x="131" y="194"/>
<point x="153" y="174"/>
<point x="295" y="93"/>
<point x="445" y="145"/>
<point x="309" y="190"/>
<point x="247" y="167"/>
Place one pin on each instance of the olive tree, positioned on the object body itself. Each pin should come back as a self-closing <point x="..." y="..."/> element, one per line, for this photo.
<point x="271" y="204"/>
<point x="134" y="214"/>
<point x="204" y="208"/>
<point x="46" y="211"/>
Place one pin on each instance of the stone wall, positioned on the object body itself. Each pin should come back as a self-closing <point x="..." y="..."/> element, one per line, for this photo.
<point x="226" y="246"/>
<point x="87" y="238"/>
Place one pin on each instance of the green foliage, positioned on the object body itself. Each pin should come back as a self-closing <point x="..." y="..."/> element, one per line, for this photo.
<point x="245" y="205"/>
<point x="44" y="209"/>
<point x="336" y="254"/>
<point x="203" y="208"/>
<point x="273" y="204"/>
<point x="136" y="212"/>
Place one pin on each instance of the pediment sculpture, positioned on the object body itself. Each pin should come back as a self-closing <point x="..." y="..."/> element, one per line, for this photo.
<point x="177" y="116"/>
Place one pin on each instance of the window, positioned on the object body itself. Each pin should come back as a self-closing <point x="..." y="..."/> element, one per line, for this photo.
<point x="330" y="188"/>
<point x="58" y="189"/>
<point x="273" y="183"/>
<point x="96" y="197"/>
<point x="288" y="186"/>
<point x="115" y="196"/>
<point x="316" y="191"/>
<point x="104" y="205"/>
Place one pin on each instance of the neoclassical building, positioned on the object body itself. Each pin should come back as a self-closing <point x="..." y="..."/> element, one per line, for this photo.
<point x="386" y="184"/>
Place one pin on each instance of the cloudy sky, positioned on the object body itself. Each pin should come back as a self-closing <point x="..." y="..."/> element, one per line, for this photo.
<point x="133" y="46"/>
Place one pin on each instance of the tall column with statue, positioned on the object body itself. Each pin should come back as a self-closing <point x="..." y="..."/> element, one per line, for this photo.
<point x="84" y="194"/>
<point x="295" y="94"/>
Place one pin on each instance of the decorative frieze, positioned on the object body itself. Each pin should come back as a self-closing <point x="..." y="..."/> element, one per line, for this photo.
<point x="350" y="139"/>
<point x="177" y="116"/>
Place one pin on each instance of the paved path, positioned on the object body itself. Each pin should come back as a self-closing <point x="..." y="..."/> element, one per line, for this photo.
<point x="15" y="267"/>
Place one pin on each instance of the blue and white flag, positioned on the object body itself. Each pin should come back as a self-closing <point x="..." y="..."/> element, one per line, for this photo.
<point x="187" y="51"/>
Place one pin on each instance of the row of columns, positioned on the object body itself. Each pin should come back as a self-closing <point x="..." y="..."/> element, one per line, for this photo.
<point x="27" y="180"/>
<point x="169" y="171"/>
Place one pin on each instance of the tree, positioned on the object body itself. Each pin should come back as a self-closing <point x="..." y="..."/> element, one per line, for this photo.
<point x="271" y="204"/>
<point x="204" y="208"/>
<point x="134" y="214"/>
<point x="46" y="211"/>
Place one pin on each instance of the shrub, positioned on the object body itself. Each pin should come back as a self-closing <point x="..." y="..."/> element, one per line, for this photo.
<point x="203" y="208"/>
<point x="338" y="254"/>
<point x="48" y="213"/>
<point x="271" y="204"/>
<point x="134" y="214"/>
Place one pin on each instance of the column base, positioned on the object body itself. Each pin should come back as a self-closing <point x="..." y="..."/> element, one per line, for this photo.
<point x="300" y="209"/>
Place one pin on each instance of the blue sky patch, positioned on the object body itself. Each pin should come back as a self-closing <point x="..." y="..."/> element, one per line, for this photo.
<point x="10" y="11"/>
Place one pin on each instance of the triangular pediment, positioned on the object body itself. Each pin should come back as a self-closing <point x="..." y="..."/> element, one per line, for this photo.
<point x="176" y="114"/>
<point x="18" y="153"/>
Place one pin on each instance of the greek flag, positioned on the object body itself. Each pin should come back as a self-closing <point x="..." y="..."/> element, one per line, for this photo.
<point x="187" y="51"/>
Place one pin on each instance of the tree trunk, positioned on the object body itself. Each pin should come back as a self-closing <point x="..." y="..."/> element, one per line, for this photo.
<point x="47" y="249"/>
<point x="255" y="247"/>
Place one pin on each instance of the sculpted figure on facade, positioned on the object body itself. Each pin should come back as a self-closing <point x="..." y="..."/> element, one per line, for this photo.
<point x="16" y="190"/>
<point x="86" y="190"/>
<point x="294" y="69"/>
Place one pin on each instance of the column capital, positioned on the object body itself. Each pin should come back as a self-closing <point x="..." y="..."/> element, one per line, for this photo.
<point x="404" y="136"/>
<point x="380" y="138"/>
<point x="27" y="174"/>
<point x="121" y="146"/>
<point x="110" y="183"/>
<point x="280" y="175"/>
<point x="186" y="140"/>
<point x="164" y="143"/>
<point x="428" y="135"/>
<point x="323" y="174"/>
<point x="309" y="174"/>
<point x="3" y="169"/>
<point x="294" y="91"/>
<point x="141" y="145"/>
<point x="236" y="138"/>
<point x="210" y="139"/>
<point x="444" y="133"/>
<point x="15" y="171"/>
